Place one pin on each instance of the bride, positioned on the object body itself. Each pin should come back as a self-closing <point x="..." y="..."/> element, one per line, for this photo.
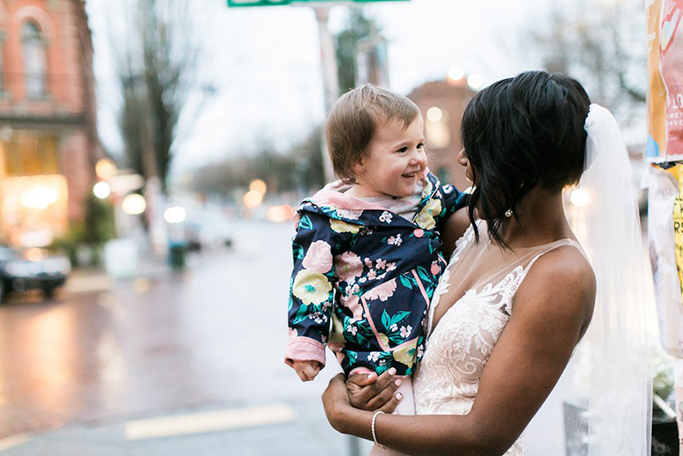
<point x="518" y="294"/>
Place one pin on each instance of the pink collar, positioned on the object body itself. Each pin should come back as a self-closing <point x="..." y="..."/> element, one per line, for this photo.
<point x="334" y="194"/>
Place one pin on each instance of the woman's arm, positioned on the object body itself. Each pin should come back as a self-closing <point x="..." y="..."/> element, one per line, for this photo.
<point x="552" y="309"/>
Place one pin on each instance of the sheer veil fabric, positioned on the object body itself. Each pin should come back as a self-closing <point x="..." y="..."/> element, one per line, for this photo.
<point x="608" y="227"/>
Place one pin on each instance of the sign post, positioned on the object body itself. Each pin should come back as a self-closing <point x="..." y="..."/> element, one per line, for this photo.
<point x="330" y="77"/>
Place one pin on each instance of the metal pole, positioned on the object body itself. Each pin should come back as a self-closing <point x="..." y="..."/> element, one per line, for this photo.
<point x="329" y="73"/>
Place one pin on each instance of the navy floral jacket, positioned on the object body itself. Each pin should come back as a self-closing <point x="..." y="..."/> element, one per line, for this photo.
<point x="363" y="278"/>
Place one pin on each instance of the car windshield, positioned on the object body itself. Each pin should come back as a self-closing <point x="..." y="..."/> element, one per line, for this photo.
<point x="7" y="253"/>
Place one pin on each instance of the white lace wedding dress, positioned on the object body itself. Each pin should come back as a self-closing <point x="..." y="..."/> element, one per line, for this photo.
<point x="458" y="348"/>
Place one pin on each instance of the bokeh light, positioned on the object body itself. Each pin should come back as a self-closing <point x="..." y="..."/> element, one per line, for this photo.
<point x="134" y="204"/>
<point x="252" y="199"/>
<point x="434" y="114"/>
<point x="101" y="190"/>
<point x="456" y="73"/>
<point x="279" y="214"/>
<point x="259" y="186"/>
<point x="579" y="197"/>
<point x="475" y="81"/>
<point x="175" y="214"/>
<point x="105" y="168"/>
<point x="39" y="197"/>
<point x="33" y="254"/>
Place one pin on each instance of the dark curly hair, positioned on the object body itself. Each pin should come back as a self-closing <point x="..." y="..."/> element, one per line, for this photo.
<point x="519" y="133"/>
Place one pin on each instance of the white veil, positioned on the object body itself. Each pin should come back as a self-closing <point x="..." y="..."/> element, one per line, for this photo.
<point x="619" y="395"/>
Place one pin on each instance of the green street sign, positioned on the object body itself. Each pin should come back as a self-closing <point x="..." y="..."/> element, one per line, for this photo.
<point x="287" y="2"/>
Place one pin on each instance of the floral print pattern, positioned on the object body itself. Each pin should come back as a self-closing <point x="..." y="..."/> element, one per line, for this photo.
<point x="426" y="219"/>
<point x="311" y="287"/>
<point x="341" y="226"/>
<point x="319" y="257"/>
<point x="363" y="278"/>
<point x="348" y="266"/>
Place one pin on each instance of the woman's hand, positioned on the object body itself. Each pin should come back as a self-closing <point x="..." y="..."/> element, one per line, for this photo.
<point x="369" y="392"/>
<point x="336" y="402"/>
<point x="376" y="391"/>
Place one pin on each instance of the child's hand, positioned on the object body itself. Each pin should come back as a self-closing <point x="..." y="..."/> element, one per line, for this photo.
<point x="306" y="370"/>
<point x="370" y="392"/>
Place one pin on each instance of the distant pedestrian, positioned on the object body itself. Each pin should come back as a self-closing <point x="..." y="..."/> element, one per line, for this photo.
<point x="367" y="248"/>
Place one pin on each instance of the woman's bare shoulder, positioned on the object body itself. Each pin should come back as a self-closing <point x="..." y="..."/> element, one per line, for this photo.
<point x="559" y="288"/>
<point x="566" y="261"/>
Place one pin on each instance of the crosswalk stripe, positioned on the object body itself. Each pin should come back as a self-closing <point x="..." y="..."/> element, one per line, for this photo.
<point x="14" y="441"/>
<point x="218" y="420"/>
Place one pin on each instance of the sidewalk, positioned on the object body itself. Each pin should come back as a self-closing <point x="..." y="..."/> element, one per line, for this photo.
<point x="276" y="429"/>
<point x="91" y="280"/>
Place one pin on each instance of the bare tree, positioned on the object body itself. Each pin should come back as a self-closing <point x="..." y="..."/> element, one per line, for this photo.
<point x="602" y="44"/>
<point x="359" y="27"/>
<point x="157" y="60"/>
<point x="299" y="170"/>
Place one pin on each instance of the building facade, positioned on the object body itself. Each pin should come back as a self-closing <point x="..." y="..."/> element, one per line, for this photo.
<point x="442" y="104"/>
<point x="48" y="134"/>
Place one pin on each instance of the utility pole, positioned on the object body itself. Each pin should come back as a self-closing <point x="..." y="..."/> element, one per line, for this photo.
<point x="330" y="78"/>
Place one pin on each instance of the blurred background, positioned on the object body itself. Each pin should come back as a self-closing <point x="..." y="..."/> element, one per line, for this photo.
<point x="152" y="155"/>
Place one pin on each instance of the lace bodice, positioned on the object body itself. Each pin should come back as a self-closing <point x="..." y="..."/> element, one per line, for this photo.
<point x="458" y="348"/>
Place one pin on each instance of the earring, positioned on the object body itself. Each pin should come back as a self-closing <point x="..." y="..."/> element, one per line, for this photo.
<point x="508" y="213"/>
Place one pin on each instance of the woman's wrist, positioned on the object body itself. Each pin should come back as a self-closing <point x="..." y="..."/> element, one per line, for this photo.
<point x="334" y="409"/>
<point x="343" y="417"/>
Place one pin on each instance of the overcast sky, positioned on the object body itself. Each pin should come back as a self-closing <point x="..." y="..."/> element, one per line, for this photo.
<point x="265" y="64"/>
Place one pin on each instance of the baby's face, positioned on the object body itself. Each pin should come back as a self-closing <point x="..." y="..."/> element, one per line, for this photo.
<point x="395" y="161"/>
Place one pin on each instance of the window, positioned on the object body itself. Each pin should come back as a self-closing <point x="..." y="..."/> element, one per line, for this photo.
<point x="34" y="61"/>
<point x="31" y="155"/>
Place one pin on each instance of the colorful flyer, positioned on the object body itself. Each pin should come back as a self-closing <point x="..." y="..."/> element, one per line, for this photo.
<point x="665" y="75"/>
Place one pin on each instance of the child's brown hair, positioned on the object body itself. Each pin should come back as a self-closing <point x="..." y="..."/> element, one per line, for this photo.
<point x="355" y="117"/>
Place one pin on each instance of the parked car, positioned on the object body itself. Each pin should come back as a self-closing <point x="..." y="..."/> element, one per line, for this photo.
<point x="208" y="234"/>
<point x="30" y="269"/>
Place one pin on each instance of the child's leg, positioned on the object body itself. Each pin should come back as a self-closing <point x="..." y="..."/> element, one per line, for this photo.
<point x="405" y="407"/>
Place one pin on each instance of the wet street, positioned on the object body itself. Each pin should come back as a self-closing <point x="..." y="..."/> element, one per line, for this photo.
<point x="104" y="350"/>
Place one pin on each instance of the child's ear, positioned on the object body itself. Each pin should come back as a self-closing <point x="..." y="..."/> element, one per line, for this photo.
<point x="359" y="167"/>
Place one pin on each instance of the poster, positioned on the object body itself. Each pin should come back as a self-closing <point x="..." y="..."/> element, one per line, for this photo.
<point x="665" y="74"/>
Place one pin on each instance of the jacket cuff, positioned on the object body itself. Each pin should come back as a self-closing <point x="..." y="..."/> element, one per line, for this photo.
<point x="304" y="349"/>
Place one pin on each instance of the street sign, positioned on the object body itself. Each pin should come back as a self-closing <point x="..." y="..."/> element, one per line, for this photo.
<point x="287" y="2"/>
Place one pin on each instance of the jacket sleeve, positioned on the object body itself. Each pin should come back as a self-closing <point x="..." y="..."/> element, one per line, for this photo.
<point x="311" y="289"/>
<point x="451" y="200"/>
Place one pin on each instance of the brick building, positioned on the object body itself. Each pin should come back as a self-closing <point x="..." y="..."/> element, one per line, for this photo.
<point x="48" y="135"/>
<point x="442" y="104"/>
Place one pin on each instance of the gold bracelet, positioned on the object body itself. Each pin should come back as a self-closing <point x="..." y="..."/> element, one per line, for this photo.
<point x="372" y="427"/>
